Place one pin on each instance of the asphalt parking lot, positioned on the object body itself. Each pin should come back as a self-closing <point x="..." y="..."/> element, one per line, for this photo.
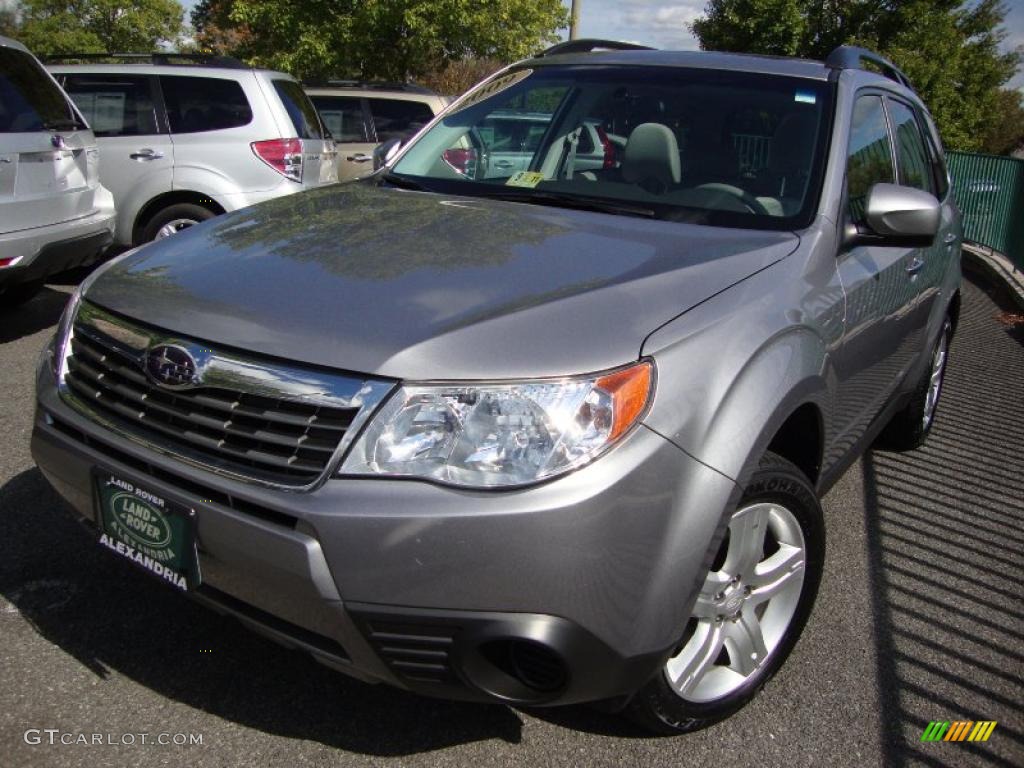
<point x="920" y="618"/>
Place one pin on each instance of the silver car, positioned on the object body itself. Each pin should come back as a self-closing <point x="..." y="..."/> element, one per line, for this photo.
<point x="183" y="138"/>
<point x="360" y="115"/>
<point x="54" y="213"/>
<point x="543" y="438"/>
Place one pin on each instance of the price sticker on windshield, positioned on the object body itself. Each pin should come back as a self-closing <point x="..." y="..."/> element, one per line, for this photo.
<point x="525" y="179"/>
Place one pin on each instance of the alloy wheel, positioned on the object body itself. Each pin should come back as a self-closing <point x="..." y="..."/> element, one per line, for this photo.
<point x="745" y="606"/>
<point x="174" y="226"/>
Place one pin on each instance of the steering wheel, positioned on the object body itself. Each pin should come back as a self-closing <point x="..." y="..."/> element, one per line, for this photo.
<point x="748" y="201"/>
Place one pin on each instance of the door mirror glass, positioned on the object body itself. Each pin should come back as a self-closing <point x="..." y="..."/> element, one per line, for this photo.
<point x="898" y="215"/>
<point x="384" y="153"/>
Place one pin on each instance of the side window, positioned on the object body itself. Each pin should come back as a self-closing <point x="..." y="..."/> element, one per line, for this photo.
<point x="914" y="167"/>
<point x="197" y="104"/>
<point x="300" y="109"/>
<point x="343" y="116"/>
<point x="869" y="159"/>
<point x="114" y="105"/>
<point x="396" y="119"/>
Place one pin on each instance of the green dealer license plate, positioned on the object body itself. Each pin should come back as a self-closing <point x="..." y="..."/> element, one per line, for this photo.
<point x="155" y="533"/>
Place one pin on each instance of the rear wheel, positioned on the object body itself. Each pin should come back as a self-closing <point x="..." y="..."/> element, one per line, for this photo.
<point x="751" y="609"/>
<point x="173" y="219"/>
<point x="909" y="427"/>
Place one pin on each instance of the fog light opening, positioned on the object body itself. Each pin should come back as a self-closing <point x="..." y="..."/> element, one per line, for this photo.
<point x="535" y="666"/>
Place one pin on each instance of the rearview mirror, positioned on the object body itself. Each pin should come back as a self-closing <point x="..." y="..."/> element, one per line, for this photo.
<point x="897" y="215"/>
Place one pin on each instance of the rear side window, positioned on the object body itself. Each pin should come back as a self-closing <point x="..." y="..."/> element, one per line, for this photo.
<point x="198" y="104"/>
<point x="869" y="161"/>
<point x="343" y="116"/>
<point x="29" y="99"/>
<point x="915" y="169"/>
<point x="300" y="109"/>
<point x="114" y="105"/>
<point x="395" y="119"/>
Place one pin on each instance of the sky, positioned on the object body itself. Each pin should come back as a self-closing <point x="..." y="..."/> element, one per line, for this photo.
<point x="664" y="25"/>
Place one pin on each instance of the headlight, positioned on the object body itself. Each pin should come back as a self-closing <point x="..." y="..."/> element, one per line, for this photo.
<point x="499" y="435"/>
<point x="63" y="338"/>
<point x="67" y="319"/>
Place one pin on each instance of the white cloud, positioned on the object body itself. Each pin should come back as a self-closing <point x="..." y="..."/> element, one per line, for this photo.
<point x="663" y="25"/>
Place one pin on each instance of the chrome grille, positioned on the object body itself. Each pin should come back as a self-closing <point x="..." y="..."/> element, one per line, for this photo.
<point x="255" y="419"/>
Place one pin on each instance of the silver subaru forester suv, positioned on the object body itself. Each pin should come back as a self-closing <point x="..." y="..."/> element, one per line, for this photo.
<point x="184" y="137"/>
<point x="54" y="212"/>
<point x="542" y="438"/>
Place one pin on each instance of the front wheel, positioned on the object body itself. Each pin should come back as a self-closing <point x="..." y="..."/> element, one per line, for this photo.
<point x="751" y="609"/>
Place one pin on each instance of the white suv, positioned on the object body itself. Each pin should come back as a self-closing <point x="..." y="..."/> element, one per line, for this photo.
<point x="54" y="214"/>
<point x="183" y="138"/>
<point x="361" y="115"/>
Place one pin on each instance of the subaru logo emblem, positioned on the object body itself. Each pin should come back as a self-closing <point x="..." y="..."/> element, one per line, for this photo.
<point x="58" y="141"/>
<point x="171" y="367"/>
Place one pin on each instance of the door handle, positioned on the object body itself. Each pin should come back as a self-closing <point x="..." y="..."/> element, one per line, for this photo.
<point x="360" y="158"/>
<point x="915" y="266"/>
<point x="503" y="164"/>
<point x="146" y="154"/>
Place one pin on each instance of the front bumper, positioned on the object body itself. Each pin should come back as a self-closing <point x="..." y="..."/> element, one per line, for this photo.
<point x="570" y="591"/>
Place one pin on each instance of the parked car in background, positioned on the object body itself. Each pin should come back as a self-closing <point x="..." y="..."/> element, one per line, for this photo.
<point x="553" y="436"/>
<point x="362" y="115"/>
<point x="54" y="212"/>
<point x="184" y="138"/>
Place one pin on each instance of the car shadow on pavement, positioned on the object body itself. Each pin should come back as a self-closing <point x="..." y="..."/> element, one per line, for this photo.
<point x="41" y="312"/>
<point x="945" y="533"/>
<point x="102" y="611"/>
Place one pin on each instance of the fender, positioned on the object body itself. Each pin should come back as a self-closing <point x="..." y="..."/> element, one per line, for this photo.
<point x="147" y="187"/>
<point x="745" y="362"/>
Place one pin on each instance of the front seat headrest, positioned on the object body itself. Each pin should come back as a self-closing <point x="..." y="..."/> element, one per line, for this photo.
<point x="652" y="157"/>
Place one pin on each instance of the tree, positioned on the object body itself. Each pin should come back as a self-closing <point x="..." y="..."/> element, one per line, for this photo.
<point x="1005" y="132"/>
<point x="214" y="30"/>
<point x="391" y="39"/>
<point x="950" y="49"/>
<point x="98" y="26"/>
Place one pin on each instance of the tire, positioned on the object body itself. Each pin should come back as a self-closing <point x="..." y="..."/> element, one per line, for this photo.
<point x="779" y="519"/>
<point x="909" y="427"/>
<point x="177" y="217"/>
<point x="16" y="295"/>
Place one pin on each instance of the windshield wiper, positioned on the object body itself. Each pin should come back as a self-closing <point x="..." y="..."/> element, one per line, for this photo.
<point x="403" y="182"/>
<point x="62" y="124"/>
<point x="571" y="201"/>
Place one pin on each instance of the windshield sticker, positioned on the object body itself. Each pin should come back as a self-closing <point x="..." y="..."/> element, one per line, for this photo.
<point x="487" y="90"/>
<point x="525" y="179"/>
<point x="805" y="97"/>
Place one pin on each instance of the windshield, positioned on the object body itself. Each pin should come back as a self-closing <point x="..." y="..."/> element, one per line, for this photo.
<point x="703" y="146"/>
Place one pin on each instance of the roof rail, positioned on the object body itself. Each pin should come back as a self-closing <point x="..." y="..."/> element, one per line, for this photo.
<point x="851" y="57"/>
<point x="368" y="85"/>
<point x="158" y="58"/>
<point x="586" y="45"/>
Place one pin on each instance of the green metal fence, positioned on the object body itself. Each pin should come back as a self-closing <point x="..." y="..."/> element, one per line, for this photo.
<point x="990" y="193"/>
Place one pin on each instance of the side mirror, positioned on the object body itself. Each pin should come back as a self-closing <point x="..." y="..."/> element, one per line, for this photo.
<point x="896" y="216"/>
<point x="384" y="153"/>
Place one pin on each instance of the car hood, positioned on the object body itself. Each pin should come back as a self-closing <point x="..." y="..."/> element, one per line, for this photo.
<point x="417" y="285"/>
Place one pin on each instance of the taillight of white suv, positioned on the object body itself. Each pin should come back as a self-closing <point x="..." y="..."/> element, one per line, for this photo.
<point x="283" y="155"/>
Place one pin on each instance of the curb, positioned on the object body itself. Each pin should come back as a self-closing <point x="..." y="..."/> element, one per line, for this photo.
<point x="997" y="266"/>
